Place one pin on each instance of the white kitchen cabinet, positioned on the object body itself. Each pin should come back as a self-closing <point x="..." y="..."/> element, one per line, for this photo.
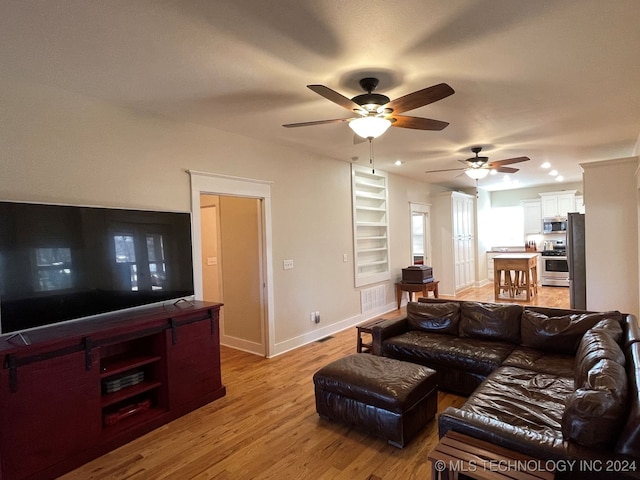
<point x="454" y="241"/>
<point x="558" y="204"/>
<point x="532" y="216"/>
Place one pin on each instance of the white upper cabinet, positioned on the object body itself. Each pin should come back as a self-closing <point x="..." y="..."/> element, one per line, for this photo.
<point x="532" y="216"/>
<point x="558" y="204"/>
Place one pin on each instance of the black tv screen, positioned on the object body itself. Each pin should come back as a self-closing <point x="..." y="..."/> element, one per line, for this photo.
<point x="60" y="262"/>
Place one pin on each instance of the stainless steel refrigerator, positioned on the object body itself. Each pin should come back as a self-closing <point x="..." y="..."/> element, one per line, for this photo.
<point x="576" y="261"/>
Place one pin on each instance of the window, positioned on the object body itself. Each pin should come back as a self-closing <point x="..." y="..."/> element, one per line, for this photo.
<point x="53" y="269"/>
<point x="420" y="234"/>
<point x="148" y="274"/>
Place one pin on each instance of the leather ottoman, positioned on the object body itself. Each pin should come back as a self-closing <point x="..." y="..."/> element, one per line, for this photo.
<point x="383" y="396"/>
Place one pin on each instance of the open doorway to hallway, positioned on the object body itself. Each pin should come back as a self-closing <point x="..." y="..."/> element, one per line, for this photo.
<point x="232" y="273"/>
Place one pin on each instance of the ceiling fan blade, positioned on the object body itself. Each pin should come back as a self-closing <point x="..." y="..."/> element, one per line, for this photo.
<point x="506" y="169"/>
<point x="420" y="98"/>
<point x="335" y="97"/>
<point x="417" y="123"/>
<point x="317" y="122"/>
<point x="508" y="161"/>
<point x="445" y="170"/>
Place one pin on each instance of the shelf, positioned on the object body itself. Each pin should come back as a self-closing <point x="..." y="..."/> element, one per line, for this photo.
<point x="371" y="209"/>
<point x="376" y="196"/>
<point x="371" y="264"/>
<point x="137" y="419"/>
<point x="128" y="392"/>
<point x="369" y="183"/>
<point x="369" y="250"/>
<point x="122" y="363"/>
<point x="370" y="224"/>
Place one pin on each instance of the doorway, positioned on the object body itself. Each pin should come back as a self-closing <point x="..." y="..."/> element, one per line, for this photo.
<point x="231" y="224"/>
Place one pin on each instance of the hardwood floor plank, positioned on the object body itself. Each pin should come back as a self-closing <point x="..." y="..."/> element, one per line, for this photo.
<point x="266" y="427"/>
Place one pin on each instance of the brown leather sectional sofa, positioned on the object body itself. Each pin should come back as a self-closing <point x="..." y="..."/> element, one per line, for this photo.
<point x="554" y="384"/>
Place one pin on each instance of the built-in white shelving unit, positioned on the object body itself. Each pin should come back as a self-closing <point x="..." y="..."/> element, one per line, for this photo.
<point x="370" y="225"/>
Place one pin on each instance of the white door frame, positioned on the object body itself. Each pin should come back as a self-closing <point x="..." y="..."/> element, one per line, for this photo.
<point x="216" y="184"/>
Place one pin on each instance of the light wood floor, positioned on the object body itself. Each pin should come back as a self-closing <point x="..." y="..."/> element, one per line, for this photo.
<point x="266" y="426"/>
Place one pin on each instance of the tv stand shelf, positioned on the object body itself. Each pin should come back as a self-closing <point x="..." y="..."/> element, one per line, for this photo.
<point x="122" y="364"/>
<point x="80" y="390"/>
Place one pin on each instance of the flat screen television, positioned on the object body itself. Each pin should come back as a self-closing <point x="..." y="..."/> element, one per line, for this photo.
<point x="60" y="263"/>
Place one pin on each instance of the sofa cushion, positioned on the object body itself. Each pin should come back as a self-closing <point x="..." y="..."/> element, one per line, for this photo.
<point x="541" y="361"/>
<point x="434" y="317"/>
<point x="611" y="327"/>
<point x="515" y="405"/>
<point x="558" y="334"/>
<point x="433" y="349"/>
<point x="595" y="411"/>
<point x="595" y="346"/>
<point x="491" y="321"/>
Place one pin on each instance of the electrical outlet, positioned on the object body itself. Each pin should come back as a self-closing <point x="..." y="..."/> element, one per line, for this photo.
<point x="344" y="257"/>
<point x="287" y="265"/>
<point x="312" y="317"/>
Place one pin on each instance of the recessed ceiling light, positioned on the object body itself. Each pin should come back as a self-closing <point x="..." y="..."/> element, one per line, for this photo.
<point x="553" y="173"/>
<point x="559" y="178"/>
<point x="545" y="165"/>
<point x="397" y="163"/>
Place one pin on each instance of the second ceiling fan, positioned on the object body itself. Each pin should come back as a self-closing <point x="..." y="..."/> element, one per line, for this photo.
<point x="479" y="167"/>
<point x="377" y="112"/>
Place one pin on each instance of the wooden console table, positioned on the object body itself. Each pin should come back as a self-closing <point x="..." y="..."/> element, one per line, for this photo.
<point x="460" y="454"/>
<point x="412" y="288"/>
<point x="516" y="273"/>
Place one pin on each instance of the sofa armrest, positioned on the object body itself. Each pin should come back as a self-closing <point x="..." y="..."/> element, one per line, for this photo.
<point x="387" y="329"/>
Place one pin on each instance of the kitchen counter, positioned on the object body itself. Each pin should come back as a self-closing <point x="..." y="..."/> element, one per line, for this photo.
<point x="517" y="255"/>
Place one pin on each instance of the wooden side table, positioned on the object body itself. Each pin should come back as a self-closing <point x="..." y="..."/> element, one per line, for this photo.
<point x="457" y="453"/>
<point x="412" y="288"/>
<point x="363" y="346"/>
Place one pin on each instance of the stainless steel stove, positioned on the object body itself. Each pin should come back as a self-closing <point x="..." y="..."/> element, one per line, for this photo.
<point x="555" y="268"/>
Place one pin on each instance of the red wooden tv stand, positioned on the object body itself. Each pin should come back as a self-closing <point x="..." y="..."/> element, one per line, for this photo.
<point x="83" y="388"/>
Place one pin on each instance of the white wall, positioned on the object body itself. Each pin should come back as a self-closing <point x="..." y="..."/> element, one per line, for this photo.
<point x="483" y="235"/>
<point x="611" y="234"/>
<point x="60" y="147"/>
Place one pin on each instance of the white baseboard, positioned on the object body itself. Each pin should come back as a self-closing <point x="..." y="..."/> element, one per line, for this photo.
<point x="322" y="332"/>
<point x="242" y="344"/>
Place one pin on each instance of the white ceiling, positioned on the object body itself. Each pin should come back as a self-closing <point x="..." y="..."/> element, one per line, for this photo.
<point x="555" y="80"/>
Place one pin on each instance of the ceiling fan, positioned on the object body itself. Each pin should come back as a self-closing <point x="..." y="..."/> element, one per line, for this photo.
<point x="376" y="112"/>
<point x="479" y="167"/>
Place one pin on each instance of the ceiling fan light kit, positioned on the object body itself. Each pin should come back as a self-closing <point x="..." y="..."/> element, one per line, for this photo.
<point x="477" y="173"/>
<point x="369" y="127"/>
